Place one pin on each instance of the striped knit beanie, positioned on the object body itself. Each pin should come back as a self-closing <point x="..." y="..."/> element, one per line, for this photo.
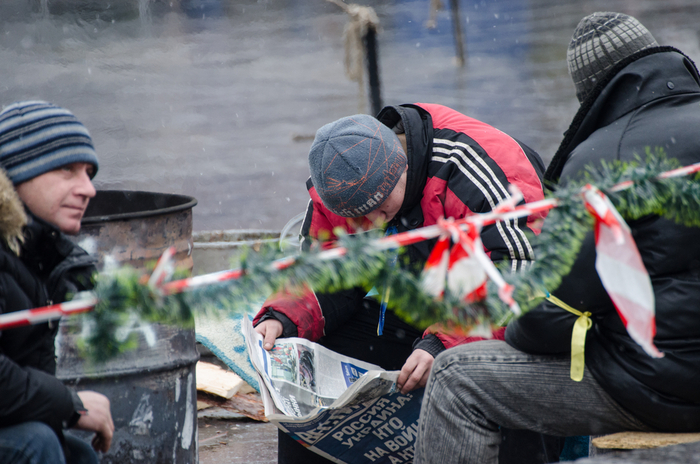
<point x="600" y="41"/>
<point x="355" y="163"/>
<point x="37" y="137"/>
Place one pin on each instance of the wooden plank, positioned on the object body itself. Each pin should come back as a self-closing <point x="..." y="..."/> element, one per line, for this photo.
<point x="217" y="381"/>
<point x="643" y="440"/>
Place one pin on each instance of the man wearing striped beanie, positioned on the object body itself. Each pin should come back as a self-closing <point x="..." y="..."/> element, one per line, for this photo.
<point x="47" y="161"/>
<point x="38" y="142"/>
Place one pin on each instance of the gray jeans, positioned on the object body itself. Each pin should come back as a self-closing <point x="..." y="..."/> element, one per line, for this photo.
<point x="475" y="388"/>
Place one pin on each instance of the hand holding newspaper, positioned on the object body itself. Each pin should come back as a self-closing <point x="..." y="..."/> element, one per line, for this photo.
<point x="344" y="409"/>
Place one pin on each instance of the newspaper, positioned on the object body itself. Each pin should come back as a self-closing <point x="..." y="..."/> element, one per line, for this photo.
<point x="344" y="409"/>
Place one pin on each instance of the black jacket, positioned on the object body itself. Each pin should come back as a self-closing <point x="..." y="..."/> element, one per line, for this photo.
<point x="651" y="100"/>
<point x="48" y="269"/>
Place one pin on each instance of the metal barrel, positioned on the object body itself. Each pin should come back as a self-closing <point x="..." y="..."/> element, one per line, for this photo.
<point x="152" y="389"/>
<point x="136" y="227"/>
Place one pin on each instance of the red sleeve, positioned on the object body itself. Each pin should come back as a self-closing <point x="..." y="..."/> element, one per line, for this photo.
<point x="301" y="308"/>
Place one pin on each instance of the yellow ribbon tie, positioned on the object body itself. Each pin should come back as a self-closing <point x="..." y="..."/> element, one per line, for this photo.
<point x="578" y="337"/>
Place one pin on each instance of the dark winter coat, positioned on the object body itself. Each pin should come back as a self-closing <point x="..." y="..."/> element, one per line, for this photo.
<point x="456" y="166"/>
<point x="48" y="269"/>
<point x="651" y="100"/>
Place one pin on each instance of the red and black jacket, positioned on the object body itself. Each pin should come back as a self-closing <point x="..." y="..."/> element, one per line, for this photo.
<point x="457" y="166"/>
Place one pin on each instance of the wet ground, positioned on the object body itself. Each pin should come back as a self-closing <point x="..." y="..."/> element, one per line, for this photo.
<point x="240" y="441"/>
<point x="219" y="99"/>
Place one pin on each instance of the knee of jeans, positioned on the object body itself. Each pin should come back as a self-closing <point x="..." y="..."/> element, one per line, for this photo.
<point x="441" y="361"/>
<point x="454" y="358"/>
<point x="43" y="436"/>
<point x="35" y="441"/>
<point x="40" y="430"/>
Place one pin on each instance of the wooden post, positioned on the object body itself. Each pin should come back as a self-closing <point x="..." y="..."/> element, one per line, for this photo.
<point x="371" y="57"/>
<point x="457" y="29"/>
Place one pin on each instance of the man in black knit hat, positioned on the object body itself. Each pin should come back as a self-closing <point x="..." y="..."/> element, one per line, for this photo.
<point x="635" y="96"/>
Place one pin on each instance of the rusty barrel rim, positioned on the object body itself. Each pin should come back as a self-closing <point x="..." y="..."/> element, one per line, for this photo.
<point x="171" y="203"/>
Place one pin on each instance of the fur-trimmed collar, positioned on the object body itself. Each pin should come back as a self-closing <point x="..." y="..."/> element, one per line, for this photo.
<point x="12" y="215"/>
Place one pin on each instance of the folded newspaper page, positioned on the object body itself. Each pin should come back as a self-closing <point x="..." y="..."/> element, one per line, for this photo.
<point x="344" y="409"/>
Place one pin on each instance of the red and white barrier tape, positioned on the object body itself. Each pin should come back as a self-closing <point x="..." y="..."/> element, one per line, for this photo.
<point x="47" y="313"/>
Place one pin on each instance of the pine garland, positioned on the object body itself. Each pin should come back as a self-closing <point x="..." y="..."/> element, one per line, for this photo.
<point x="123" y="296"/>
<point x="557" y="247"/>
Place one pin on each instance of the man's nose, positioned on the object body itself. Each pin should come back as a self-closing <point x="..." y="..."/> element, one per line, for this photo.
<point x="85" y="187"/>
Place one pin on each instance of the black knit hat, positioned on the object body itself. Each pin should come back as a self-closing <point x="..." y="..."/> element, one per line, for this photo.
<point x="355" y="163"/>
<point x="37" y="137"/>
<point x="599" y="42"/>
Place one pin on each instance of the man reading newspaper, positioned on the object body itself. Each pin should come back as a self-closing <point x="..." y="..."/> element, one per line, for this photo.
<point x="403" y="170"/>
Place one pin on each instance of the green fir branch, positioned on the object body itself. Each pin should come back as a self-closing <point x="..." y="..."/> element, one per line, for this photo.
<point x="121" y="295"/>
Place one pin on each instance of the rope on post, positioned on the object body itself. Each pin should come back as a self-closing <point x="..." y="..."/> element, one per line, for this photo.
<point x="435" y="6"/>
<point x="360" y="48"/>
